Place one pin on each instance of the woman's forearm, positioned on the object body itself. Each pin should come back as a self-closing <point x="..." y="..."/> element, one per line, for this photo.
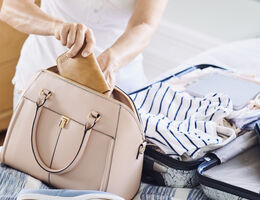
<point x="130" y="44"/>
<point x="137" y="36"/>
<point x="27" y="17"/>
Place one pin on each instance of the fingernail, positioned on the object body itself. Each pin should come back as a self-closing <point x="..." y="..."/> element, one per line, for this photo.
<point x="68" y="55"/>
<point x="84" y="54"/>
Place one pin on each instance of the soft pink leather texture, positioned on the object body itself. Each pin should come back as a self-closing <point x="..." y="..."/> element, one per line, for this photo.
<point x="109" y="159"/>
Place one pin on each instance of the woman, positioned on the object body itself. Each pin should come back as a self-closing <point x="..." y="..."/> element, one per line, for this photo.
<point x="117" y="31"/>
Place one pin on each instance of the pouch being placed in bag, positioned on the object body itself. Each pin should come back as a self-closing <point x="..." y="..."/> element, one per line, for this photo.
<point x="85" y="71"/>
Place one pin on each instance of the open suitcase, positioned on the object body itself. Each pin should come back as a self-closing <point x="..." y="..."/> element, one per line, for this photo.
<point x="233" y="172"/>
<point x="161" y="169"/>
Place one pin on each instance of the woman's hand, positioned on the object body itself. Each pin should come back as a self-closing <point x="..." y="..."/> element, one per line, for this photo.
<point x="27" y="17"/>
<point x="108" y="67"/>
<point x="75" y="36"/>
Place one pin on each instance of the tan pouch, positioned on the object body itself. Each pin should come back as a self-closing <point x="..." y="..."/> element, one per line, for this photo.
<point x="85" y="71"/>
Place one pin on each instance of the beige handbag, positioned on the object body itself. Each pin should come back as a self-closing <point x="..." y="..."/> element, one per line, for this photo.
<point x="73" y="137"/>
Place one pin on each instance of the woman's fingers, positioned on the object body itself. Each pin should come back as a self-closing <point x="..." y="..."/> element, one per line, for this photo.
<point x="90" y="43"/>
<point x="110" y="78"/>
<point x="64" y="33"/>
<point x="107" y="68"/>
<point x="72" y="35"/>
<point x="79" y="41"/>
<point x="111" y="82"/>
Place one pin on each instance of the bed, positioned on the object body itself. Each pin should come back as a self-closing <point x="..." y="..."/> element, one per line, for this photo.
<point x="243" y="56"/>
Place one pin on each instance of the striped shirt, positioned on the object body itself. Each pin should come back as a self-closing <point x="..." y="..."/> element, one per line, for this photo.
<point x="180" y="124"/>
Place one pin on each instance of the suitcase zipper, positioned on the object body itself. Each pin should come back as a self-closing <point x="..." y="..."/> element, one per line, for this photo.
<point x="173" y="163"/>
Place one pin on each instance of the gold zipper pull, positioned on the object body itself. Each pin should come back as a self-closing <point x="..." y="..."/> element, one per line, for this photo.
<point x="63" y="121"/>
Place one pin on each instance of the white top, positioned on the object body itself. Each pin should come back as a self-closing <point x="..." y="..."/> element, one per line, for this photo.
<point x="107" y="19"/>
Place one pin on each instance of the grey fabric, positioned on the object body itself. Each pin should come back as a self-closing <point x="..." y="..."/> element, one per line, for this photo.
<point x="226" y="85"/>
<point x="242" y="171"/>
<point x="237" y="146"/>
<point x="151" y="192"/>
<point x="174" y="177"/>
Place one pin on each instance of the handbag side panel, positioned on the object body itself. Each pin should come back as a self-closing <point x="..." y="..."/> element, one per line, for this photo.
<point x="126" y="166"/>
<point x="16" y="150"/>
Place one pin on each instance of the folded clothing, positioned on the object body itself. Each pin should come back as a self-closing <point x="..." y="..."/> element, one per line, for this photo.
<point x="183" y="126"/>
<point x="246" y="118"/>
<point x="45" y="194"/>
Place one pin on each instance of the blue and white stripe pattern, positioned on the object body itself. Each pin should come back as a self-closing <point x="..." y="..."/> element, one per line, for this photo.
<point x="13" y="181"/>
<point x="180" y="124"/>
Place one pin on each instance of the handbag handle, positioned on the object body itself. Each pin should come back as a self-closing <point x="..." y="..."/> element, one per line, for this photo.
<point x="91" y="122"/>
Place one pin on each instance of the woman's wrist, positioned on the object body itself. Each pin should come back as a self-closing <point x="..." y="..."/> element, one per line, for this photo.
<point x="112" y="59"/>
<point x="56" y="24"/>
<point x="107" y="60"/>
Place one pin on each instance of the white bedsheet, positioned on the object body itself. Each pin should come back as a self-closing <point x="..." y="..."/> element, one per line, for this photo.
<point x="242" y="56"/>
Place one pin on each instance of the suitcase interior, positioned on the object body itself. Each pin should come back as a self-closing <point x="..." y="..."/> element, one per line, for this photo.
<point x="238" y="175"/>
<point x="154" y="160"/>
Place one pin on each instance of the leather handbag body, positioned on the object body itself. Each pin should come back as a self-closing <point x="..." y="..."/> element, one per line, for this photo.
<point x="73" y="137"/>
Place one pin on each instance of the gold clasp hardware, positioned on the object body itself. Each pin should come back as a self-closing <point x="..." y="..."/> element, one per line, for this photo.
<point x="63" y="121"/>
<point x="46" y="93"/>
<point x="95" y="115"/>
